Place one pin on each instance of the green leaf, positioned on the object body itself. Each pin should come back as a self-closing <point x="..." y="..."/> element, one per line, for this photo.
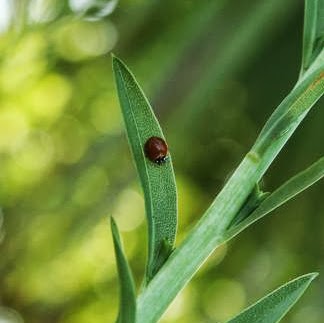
<point x="311" y="79"/>
<point x="285" y="192"/>
<point x="320" y="20"/>
<point x="313" y="31"/>
<point x="273" y="307"/>
<point x="310" y="30"/>
<point x="127" y="298"/>
<point x="292" y="110"/>
<point x="253" y="201"/>
<point x="158" y="181"/>
<point x="212" y="229"/>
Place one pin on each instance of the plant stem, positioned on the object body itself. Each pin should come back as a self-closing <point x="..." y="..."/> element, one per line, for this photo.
<point x="200" y="243"/>
<point x="209" y="231"/>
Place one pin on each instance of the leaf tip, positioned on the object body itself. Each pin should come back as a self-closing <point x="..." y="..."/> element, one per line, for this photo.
<point x="308" y="278"/>
<point x="312" y="276"/>
<point x="116" y="62"/>
<point x="114" y="58"/>
<point x="113" y="226"/>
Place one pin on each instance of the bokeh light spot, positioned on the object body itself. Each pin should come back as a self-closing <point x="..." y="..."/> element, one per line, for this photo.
<point x="223" y="299"/>
<point x="49" y="97"/>
<point x="5" y="14"/>
<point x="8" y="315"/>
<point x="179" y="305"/>
<point x="105" y="115"/>
<point x="102" y="310"/>
<point x="91" y="186"/>
<point x="70" y="139"/>
<point x="36" y="153"/>
<point x="13" y="129"/>
<point x="24" y="63"/>
<point x="50" y="281"/>
<point x="81" y="39"/>
<point x="129" y="211"/>
<point x="41" y="11"/>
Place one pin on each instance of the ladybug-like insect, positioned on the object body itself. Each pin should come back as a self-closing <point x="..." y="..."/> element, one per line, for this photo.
<point x="156" y="150"/>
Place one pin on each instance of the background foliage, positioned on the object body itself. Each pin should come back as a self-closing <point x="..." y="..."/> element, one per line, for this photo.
<point x="214" y="72"/>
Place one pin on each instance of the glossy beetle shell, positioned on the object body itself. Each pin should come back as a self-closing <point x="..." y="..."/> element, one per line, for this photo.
<point x="156" y="150"/>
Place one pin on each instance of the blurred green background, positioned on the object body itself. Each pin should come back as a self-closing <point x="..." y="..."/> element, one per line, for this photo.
<point x="214" y="71"/>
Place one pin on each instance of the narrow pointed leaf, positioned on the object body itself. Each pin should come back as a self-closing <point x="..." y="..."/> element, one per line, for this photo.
<point x="310" y="26"/>
<point x="320" y="20"/>
<point x="285" y="192"/>
<point x="313" y="31"/>
<point x="127" y="297"/>
<point x="273" y="307"/>
<point x="212" y="228"/>
<point x="158" y="181"/>
<point x="253" y="201"/>
<point x="310" y="84"/>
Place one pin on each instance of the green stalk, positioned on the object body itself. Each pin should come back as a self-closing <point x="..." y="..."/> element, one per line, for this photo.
<point x="210" y="231"/>
<point x="310" y="26"/>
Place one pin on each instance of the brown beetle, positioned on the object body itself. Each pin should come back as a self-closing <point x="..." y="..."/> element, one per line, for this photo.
<point x="156" y="150"/>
